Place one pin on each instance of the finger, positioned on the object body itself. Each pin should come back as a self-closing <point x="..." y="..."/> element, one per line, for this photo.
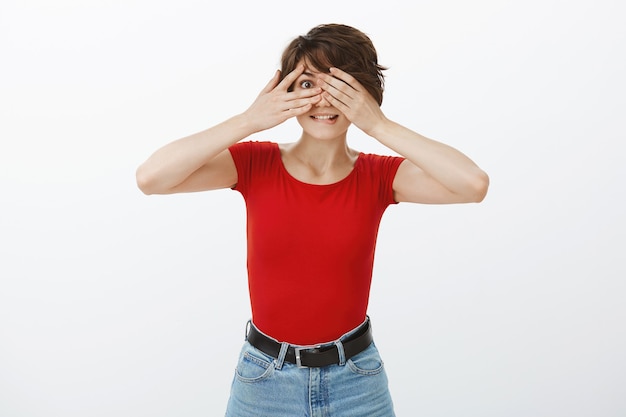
<point x="345" y="77"/>
<point x="291" y="77"/>
<point x="343" y="82"/>
<point x="272" y="83"/>
<point x="338" y="88"/>
<point x="301" y="106"/>
<point x="335" y="102"/>
<point x="297" y="111"/>
<point x="309" y="92"/>
<point x="301" y="102"/>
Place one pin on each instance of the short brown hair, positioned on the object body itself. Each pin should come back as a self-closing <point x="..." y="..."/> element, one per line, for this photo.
<point x="340" y="46"/>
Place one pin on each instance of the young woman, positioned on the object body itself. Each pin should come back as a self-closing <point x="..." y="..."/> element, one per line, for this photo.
<point x="313" y="211"/>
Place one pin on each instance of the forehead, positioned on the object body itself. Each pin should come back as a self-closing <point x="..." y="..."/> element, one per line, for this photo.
<point x="309" y="69"/>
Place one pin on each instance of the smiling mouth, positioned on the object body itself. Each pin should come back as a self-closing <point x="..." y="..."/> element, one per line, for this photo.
<point x="325" y="117"/>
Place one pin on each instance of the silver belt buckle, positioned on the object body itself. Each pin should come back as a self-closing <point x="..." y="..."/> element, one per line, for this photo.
<point x="298" y="349"/>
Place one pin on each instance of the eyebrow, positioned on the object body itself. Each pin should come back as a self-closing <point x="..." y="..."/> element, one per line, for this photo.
<point x="308" y="72"/>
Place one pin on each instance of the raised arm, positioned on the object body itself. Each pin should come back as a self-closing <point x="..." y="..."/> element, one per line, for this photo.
<point x="433" y="172"/>
<point x="202" y="161"/>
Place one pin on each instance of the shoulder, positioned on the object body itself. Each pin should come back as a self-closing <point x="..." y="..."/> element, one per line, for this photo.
<point x="253" y="146"/>
<point x="375" y="162"/>
<point x="252" y="150"/>
<point x="377" y="173"/>
<point x="253" y="158"/>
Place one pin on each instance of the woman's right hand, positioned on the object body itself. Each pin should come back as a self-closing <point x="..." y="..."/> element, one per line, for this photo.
<point x="201" y="161"/>
<point x="275" y="104"/>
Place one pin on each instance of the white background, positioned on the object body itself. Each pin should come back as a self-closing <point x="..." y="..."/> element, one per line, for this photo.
<point x="117" y="304"/>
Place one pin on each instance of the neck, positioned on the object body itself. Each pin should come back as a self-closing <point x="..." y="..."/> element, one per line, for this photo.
<point x="322" y="153"/>
<point x="318" y="161"/>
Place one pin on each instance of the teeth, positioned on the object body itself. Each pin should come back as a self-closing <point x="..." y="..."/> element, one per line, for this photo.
<point x="323" y="117"/>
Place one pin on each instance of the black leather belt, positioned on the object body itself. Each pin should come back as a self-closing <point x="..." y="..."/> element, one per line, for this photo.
<point x="314" y="356"/>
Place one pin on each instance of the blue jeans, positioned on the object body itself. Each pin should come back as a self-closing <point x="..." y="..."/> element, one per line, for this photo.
<point x="264" y="386"/>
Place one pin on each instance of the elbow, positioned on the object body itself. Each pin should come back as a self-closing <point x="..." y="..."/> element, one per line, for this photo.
<point x="480" y="186"/>
<point x="145" y="181"/>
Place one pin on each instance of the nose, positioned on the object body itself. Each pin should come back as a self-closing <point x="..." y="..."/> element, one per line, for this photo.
<point x="323" y="103"/>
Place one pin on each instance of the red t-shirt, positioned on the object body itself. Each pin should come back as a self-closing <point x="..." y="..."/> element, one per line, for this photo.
<point x="310" y="247"/>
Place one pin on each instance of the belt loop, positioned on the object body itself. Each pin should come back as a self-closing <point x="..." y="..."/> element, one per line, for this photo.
<point x="341" y="351"/>
<point x="281" y="355"/>
<point x="248" y="325"/>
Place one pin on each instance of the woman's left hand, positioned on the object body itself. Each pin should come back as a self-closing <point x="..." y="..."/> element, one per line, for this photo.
<point x="347" y="95"/>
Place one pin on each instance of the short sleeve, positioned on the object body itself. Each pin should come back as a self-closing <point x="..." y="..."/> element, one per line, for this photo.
<point x="250" y="157"/>
<point x="384" y="169"/>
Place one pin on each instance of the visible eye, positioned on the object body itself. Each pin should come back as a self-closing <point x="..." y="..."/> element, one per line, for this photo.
<point x="306" y="84"/>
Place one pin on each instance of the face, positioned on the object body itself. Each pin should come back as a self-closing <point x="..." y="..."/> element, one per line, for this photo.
<point x="323" y="121"/>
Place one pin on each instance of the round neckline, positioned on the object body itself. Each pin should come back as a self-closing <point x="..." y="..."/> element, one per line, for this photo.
<point x="291" y="177"/>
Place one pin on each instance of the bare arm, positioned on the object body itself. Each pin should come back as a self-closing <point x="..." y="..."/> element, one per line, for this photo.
<point x="194" y="163"/>
<point x="433" y="172"/>
<point x="202" y="161"/>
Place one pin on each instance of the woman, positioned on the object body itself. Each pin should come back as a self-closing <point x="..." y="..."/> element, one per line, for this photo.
<point x="313" y="211"/>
